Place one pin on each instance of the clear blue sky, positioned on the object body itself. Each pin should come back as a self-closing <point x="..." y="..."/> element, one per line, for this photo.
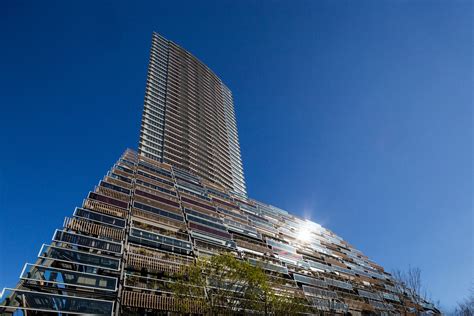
<point x="356" y="114"/>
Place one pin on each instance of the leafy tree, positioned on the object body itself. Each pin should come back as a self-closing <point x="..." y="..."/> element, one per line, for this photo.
<point x="270" y="296"/>
<point x="225" y="284"/>
<point x="190" y="285"/>
<point x="218" y="283"/>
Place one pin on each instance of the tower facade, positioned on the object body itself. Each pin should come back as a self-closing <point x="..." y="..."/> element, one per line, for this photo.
<point x="151" y="215"/>
<point x="188" y="117"/>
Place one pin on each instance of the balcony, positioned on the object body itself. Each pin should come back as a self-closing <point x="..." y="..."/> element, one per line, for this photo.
<point x="160" y="242"/>
<point x="151" y="227"/>
<point x="86" y="241"/>
<point x="55" y="303"/>
<point x="358" y="305"/>
<point x="122" y="173"/>
<point x="158" y="199"/>
<point x="171" y="258"/>
<point x="79" y="257"/>
<point x="54" y="277"/>
<point x="205" y="227"/>
<point x="266" y="265"/>
<point x="108" y="200"/>
<point x="253" y="246"/>
<point x="308" y="280"/>
<point x="114" y="187"/>
<point x="190" y="200"/>
<point x="118" y="182"/>
<point x="153" y="265"/>
<point x="93" y="229"/>
<point x="158" y="219"/>
<point x="112" y="193"/>
<point x="158" y="302"/>
<point x="99" y="218"/>
<point x="206" y="248"/>
<point x="151" y="205"/>
<point x="105" y="208"/>
<point x="312" y="291"/>
<point x="156" y="181"/>
<point x="174" y="214"/>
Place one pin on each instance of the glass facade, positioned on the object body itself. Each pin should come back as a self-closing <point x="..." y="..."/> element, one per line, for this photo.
<point x="180" y="91"/>
<point x="151" y="215"/>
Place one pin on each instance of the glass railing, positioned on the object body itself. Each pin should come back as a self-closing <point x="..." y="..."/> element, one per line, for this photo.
<point x="160" y="230"/>
<point x="168" y="200"/>
<point x="281" y="246"/>
<point x="319" y="266"/>
<point x="12" y="299"/>
<point x="69" y="255"/>
<point x="189" y="211"/>
<point x="206" y="222"/>
<point x="158" y="211"/>
<point x="391" y="297"/>
<point x="108" y="200"/>
<point x="81" y="240"/>
<point x="268" y="266"/>
<point x="320" y="304"/>
<point x="199" y="204"/>
<point x="101" y="218"/>
<point x="214" y="240"/>
<point x="42" y="275"/>
<point x="380" y="305"/>
<point x="160" y="242"/>
<point x="289" y="258"/>
<point x="155" y="187"/>
<point x="311" y="281"/>
<point x="149" y="176"/>
<point x="160" y="238"/>
<point x="368" y="294"/>
<point x="232" y="213"/>
<point x="312" y="291"/>
<point x="303" y="264"/>
<point x="114" y="187"/>
<point x="339" y="284"/>
<point x="157" y="170"/>
<point x="232" y="225"/>
<point x="342" y="270"/>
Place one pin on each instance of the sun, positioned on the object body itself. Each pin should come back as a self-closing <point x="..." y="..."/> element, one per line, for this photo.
<point x="306" y="230"/>
<point x="304" y="234"/>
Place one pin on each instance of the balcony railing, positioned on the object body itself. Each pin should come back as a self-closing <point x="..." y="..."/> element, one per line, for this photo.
<point x="139" y="262"/>
<point x="158" y="219"/>
<point x="118" y="182"/>
<point x="104" y="208"/>
<point x="94" y="229"/>
<point x="112" y="193"/>
<point x="26" y="300"/>
<point x="171" y="258"/>
<point x="253" y="246"/>
<point x="165" y="303"/>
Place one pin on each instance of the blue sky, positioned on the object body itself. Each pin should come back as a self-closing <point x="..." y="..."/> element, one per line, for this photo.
<point x="357" y="115"/>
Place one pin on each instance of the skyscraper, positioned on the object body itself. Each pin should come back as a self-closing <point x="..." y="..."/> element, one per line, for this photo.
<point x="188" y="118"/>
<point x="182" y="197"/>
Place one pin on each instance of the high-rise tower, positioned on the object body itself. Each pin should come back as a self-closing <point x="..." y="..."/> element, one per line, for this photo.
<point x="188" y="117"/>
<point x="182" y="197"/>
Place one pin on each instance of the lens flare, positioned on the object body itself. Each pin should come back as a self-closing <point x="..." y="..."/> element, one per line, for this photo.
<point x="304" y="234"/>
